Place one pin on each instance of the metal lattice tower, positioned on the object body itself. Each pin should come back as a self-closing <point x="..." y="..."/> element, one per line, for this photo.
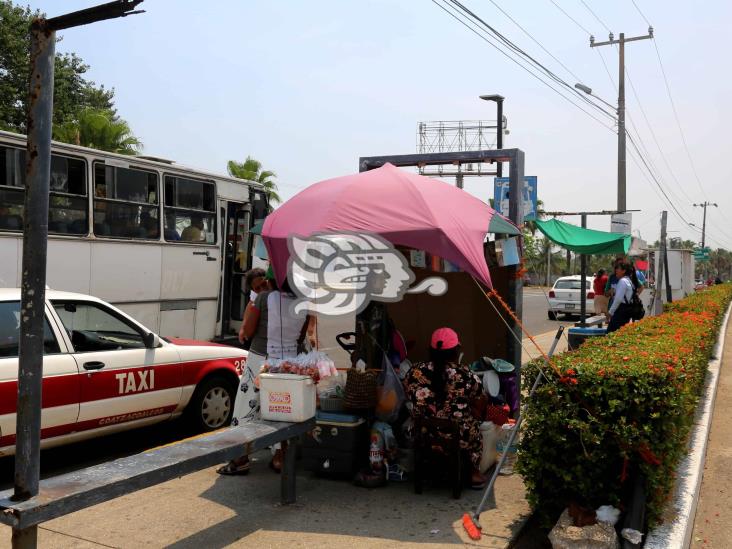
<point x="456" y="135"/>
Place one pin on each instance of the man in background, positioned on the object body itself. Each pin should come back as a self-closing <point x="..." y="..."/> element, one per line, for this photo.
<point x="598" y="286"/>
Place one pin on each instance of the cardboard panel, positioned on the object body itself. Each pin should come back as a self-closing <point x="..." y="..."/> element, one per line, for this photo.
<point x="463" y="308"/>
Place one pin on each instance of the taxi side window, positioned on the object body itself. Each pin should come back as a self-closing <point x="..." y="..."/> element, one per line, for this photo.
<point x="93" y="327"/>
<point x="10" y="331"/>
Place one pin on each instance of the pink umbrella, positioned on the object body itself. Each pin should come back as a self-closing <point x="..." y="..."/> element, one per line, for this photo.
<point x="404" y="208"/>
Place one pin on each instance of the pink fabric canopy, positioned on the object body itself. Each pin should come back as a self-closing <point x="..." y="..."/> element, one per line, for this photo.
<point x="404" y="208"/>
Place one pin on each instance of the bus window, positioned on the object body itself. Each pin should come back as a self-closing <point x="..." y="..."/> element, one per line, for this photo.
<point x="190" y="208"/>
<point x="125" y="202"/>
<point x="67" y="211"/>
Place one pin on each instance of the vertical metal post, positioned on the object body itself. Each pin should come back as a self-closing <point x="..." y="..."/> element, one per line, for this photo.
<point x="459" y="181"/>
<point x="516" y="284"/>
<point x="669" y="295"/>
<point x="583" y="280"/>
<point x="548" y="262"/>
<point x="499" y="134"/>
<point x="657" y="294"/>
<point x="621" y="126"/>
<point x="704" y="226"/>
<point x="33" y="291"/>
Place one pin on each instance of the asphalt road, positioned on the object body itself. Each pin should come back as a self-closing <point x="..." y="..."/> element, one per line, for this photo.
<point x="84" y="454"/>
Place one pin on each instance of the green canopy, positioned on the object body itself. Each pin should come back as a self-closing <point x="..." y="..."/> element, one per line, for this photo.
<point x="584" y="241"/>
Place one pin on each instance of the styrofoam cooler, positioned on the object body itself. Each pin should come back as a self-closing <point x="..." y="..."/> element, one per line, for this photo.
<point x="286" y="397"/>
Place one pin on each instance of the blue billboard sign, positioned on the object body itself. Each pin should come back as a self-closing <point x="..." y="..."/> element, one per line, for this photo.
<point x="500" y="196"/>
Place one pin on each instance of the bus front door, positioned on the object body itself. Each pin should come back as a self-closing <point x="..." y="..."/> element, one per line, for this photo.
<point x="237" y="261"/>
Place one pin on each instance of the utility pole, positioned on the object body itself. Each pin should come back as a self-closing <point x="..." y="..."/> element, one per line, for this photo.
<point x="704" y="205"/>
<point x="657" y="295"/>
<point x="35" y="240"/>
<point x="704" y="219"/>
<point x="621" y="105"/>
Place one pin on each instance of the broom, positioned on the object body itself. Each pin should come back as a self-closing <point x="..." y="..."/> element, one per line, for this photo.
<point x="471" y="524"/>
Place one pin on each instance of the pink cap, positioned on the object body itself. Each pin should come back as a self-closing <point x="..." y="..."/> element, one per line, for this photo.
<point x="444" y="338"/>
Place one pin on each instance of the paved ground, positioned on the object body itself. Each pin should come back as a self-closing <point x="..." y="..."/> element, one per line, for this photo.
<point x="204" y="510"/>
<point x="713" y="524"/>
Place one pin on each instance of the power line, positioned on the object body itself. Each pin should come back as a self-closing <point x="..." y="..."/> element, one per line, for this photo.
<point x="527" y="33"/>
<point x="571" y="18"/>
<point x="523" y="53"/>
<point x="485" y="38"/>
<point x="676" y="117"/>
<point x="595" y="16"/>
<point x="641" y="13"/>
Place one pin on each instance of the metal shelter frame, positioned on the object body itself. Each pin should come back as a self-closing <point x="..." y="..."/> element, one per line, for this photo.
<point x="515" y="158"/>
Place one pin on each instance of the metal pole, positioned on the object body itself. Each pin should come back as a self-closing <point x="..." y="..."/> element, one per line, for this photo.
<point x="548" y="262"/>
<point x="583" y="280"/>
<point x="459" y="180"/>
<point x="704" y="225"/>
<point x="33" y="290"/>
<point x="516" y="285"/>
<point x="499" y="135"/>
<point x="669" y="296"/>
<point x="621" y="126"/>
<point x="658" y="291"/>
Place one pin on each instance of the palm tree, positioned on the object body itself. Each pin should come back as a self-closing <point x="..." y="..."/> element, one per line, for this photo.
<point x="251" y="170"/>
<point x="99" y="129"/>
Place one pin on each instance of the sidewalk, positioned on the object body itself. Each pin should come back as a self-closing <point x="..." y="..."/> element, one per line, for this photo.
<point x="544" y="341"/>
<point x="713" y="524"/>
<point x="205" y="510"/>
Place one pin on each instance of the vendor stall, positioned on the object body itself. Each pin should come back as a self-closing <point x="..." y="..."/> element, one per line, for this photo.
<point x="408" y="254"/>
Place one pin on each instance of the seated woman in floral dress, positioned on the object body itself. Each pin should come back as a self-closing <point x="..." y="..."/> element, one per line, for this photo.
<point x="446" y="389"/>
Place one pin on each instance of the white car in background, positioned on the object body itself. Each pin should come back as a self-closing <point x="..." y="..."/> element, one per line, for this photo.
<point x="564" y="297"/>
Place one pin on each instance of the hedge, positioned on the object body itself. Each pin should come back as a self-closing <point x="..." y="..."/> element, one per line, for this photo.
<point x="619" y="403"/>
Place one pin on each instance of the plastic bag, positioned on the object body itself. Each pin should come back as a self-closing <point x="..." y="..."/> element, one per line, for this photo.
<point x="390" y="394"/>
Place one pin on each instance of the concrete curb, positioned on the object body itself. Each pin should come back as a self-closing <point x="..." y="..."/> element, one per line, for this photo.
<point x="677" y="533"/>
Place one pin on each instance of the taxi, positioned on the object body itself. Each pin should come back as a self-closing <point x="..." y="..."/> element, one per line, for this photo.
<point x="104" y="372"/>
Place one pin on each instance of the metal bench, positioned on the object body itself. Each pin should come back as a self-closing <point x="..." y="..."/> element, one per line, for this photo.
<point x="597" y="320"/>
<point x="70" y="492"/>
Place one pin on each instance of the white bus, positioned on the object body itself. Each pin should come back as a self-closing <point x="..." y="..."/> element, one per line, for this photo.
<point x="167" y="244"/>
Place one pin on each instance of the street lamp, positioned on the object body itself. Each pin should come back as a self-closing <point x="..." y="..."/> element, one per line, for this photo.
<point x="498" y="100"/>
<point x="620" y="111"/>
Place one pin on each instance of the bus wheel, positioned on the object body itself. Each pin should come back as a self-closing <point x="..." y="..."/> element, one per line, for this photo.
<point x="212" y="404"/>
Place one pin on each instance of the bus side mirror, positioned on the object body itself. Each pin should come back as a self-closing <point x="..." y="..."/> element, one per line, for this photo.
<point x="152" y="341"/>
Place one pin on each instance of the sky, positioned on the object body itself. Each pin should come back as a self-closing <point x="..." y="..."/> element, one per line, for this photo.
<point x="309" y="86"/>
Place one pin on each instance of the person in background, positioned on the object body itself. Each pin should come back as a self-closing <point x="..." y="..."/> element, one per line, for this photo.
<point x="444" y="388"/>
<point x="194" y="232"/>
<point x="598" y="286"/>
<point x="619" y="313"/>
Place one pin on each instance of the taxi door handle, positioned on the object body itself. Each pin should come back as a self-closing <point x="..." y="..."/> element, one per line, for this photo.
<point x="93" y="365"/>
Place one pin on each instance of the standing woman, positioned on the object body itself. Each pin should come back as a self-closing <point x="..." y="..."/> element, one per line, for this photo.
<point x="620" y="311"/>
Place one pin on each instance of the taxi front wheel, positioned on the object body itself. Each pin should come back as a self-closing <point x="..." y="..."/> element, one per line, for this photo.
<point x="212" y="404"/>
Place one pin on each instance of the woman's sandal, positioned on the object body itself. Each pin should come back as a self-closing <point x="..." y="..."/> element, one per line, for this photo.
<point x="232" y="469"/>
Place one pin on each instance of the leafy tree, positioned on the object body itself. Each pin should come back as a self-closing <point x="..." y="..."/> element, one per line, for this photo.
<point x="251" y="170"/>
<point x="72" y="92"/>
<point x="99" y="129"/>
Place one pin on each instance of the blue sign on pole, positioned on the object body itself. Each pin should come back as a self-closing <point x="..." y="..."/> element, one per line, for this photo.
<point x="500" y="196"/>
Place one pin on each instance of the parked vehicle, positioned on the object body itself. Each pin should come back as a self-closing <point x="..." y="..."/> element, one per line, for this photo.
<point x="164" y="243"/>
<point x="104" y="372"/>
<point x="564" y="297"/>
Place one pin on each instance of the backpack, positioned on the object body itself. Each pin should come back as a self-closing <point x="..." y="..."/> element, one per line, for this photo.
<point x="637" y="311"/>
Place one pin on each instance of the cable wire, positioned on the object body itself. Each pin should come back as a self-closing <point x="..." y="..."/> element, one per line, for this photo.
<point x="461" y="7"/>
<point x="571" y="18"/>
<point x="527" y="33"/>
<point x="535" y="75"/>
<point x="641" y="13"/>
<point x="595" y="16"/>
